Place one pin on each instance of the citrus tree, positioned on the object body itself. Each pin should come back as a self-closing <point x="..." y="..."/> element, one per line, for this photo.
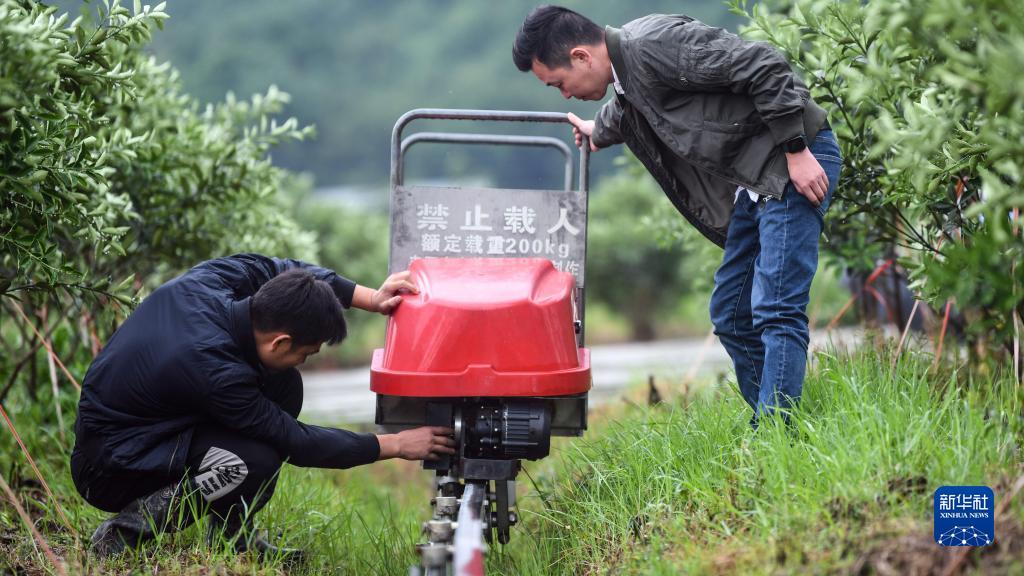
<point x="927" y="103"/>
<point x="113" y="180"/>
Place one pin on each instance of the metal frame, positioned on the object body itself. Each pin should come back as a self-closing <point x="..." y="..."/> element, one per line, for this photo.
<point x="400" y="146"/>
<point x="397" y="149"/>
<point x="499" y="139"/>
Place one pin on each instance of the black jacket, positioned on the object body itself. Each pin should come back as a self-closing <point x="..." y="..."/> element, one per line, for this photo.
<point x="705" y="112"/>
<point x="187" y="356"/>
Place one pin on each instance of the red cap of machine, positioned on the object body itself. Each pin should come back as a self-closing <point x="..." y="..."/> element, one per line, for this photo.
<point x="483" y="327"/>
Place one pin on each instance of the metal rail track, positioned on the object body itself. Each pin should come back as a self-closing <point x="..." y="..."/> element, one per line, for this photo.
<point x="455" y="532"/>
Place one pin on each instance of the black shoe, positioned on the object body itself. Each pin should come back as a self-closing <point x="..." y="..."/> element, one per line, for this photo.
<point x="109" y="540"/>
<point x="141" y="520"/>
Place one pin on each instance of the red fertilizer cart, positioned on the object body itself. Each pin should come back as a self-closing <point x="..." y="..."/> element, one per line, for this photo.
<point x="492" y="346"/>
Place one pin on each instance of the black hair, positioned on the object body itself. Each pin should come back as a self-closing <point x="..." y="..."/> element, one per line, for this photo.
<point x="549" y="33"/>
<point x="296" y="303"/>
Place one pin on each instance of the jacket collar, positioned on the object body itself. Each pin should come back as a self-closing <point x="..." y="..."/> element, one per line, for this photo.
<point x="241" y="331"/>
<point x="613" y="40"/>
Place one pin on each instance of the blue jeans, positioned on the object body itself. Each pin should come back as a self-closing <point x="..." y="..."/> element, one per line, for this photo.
<point x="759" y="304"/>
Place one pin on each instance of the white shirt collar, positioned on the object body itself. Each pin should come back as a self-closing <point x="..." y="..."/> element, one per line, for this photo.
<point x="615" y="82"/>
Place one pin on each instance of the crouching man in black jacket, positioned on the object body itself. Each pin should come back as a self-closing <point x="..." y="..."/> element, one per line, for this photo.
<point x="192" y="404"/>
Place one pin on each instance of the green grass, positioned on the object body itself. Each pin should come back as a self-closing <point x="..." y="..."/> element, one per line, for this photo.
<point x="683" y="487"/>
<point x="688" y="487"/>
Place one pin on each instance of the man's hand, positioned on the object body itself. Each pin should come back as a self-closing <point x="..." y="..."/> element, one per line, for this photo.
<point x="807" y="176"/>
<point x="386" y="298"/>
<point x="424" y="443"/>
<point x="581" y="127"/>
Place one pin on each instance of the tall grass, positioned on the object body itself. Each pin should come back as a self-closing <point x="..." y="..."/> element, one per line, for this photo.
<point x="676" y="487"/>
<point x="682" y="487"/>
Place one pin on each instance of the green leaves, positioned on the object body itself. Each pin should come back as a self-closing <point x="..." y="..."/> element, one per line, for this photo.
<point x="928" y="104"/>
<point x="107" y="170"/>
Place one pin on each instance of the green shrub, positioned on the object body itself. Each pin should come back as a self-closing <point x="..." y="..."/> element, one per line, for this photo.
<point x="637" y="263"/>
<point x="109" y="173"/>
<point x="925" y="100"/>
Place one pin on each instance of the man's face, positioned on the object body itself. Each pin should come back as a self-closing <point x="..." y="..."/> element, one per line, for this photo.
<point x="581" y="79"/>
<point x="282" y="353"/>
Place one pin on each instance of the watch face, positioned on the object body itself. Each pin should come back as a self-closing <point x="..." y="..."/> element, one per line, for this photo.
<point x="797" y="144"/>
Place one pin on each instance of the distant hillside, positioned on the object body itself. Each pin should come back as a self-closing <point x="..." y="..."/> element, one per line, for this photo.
<point x="353" y="68"/>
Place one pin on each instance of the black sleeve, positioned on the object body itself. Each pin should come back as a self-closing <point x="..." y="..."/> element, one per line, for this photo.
<point x="705" y="58"/>
<point x="606" y="124"/>
<point x="243" y="274"/>
<point x="239" y="405"/>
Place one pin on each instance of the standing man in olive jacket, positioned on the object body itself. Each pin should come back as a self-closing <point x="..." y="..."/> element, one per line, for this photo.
<point x="731" y="134"/>
<point x="193" y="403"/>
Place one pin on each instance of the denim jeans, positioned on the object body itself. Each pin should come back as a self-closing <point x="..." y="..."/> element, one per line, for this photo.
<point x="759" y="304"/>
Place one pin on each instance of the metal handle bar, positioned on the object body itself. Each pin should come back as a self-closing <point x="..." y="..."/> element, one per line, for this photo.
<point x="500" y="139"/>
<point x="397" y="168"/>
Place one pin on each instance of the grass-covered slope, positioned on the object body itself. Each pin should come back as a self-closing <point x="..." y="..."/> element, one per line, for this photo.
<point x="680" y="487"/>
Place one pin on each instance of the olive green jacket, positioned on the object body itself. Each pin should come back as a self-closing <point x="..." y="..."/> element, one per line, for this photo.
<point x="705" y="111"/>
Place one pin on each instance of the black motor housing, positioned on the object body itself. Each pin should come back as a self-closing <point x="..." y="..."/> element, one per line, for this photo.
<point x="507" y="429"/>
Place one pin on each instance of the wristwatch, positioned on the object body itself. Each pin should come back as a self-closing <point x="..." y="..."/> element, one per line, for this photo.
<point x="795" y="144"/>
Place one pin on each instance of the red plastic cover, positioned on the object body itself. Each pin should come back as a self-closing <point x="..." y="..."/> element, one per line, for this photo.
<point x="483" y="327"/>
